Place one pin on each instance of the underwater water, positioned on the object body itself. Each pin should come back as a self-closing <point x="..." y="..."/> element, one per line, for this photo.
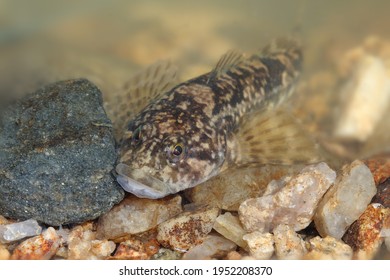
<point x="108" y="42"/>
<point x="342" y="97"/>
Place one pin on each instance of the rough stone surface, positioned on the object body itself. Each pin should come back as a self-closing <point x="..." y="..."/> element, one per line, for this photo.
<point x="135" y="249"/>
<point x="83" y="245"/>
<point x="4" y="253"/>
<point x="166" y="254"/>
<point x="294" y="204"/>
<point x="261" y="245"/>
<point x="213" y="246"/>
<point x="17" y="231"/>
<point x="379" y="167"/>
<point x="57" y="151"/>
<point x="288" y="244"/>
<point x="328" y="248"/>
<point x="188" y="229"/>
<point x="42" y="247"/>
<point x="229" y="189"/>
<point x="383" y="194"/>
<point x="345" y="201"/>
<point x="364" y="235"/>
<point x="135" y="215"/>
<point x="230" y="227"/>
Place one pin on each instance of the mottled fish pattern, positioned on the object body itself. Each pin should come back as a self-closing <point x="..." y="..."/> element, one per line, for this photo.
<point x="227" y="117"/>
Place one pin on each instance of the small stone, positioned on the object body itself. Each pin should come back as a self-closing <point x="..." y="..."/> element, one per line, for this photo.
<point x="230" y="227"/>
<point x="4" y="253"/>
<point x="166" y="254"/>
<point x="135" y="249"/>
<point x="288" y="244"/>
<point x="42" y="247"/>
<point x="292" y="205"/>
<point x="17" y="231"/>
<point x="4" y="221"/>
<point x="233" y="256"/>
<point x="364" y="235"/>
<point x="83" y="245"/>
<point x="57" y="152"/>
<point x="261" y="245"/>
<point x="328" y="248"/>
<point x="383" y="194"/>
<point x="213" y="247"/>
<point x="379" y="167"/>
<point x="135" y="215"/>
<point x="366" y="97"/>
<point x="229" y="189"/>
<point x="345" y="201"/>
<point x="276" y="185"/>
<point x="188" y="229"/>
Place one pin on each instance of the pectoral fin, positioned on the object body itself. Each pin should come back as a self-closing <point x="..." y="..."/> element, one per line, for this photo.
<point x="273" y="138"/>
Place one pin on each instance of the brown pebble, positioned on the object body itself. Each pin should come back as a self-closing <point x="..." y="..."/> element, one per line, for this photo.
<point x="379" y="167"/>
<point x="135" y="249"/>
<point x="41" y="247"/>
<point x="383" y="194"/>
<point x="364" y="234"/>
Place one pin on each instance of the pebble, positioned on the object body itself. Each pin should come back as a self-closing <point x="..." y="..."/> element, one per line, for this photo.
<point x="188" y="229"/>
<point x="83" y="245"/>
<point x="13" y="232"/>
<point x="166" y="254"/>
<point x="42" y="247"/>
<point x="213" y="247"/>
<point x="229" y="189"/>
<point x="366" y="96"/>
<point x="230" y="227"/>
<point x="4" y="221"/>
<point x="135" y="215"/>
<point x="135" y="249"/>
<point x="4" y="253"/>
<point x="383" y="194"/>
<point x="294" y="204"/>
<point x="288" y="244"/>
<point x="379" y="167"/>
<point x="345" y="201"/>
<point x="57" y="151"/>
<point x="328" y="248"/>
<point x="260" y="245"/>
<point x="364" y="235"/>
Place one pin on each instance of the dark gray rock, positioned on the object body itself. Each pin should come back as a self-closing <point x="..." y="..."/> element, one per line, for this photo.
<point x="56" y="155"/>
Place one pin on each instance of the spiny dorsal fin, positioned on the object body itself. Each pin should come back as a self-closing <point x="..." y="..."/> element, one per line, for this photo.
<point x="139" y="91"/>
<point x="274" y="138"/>
<point x="227" y="61"/>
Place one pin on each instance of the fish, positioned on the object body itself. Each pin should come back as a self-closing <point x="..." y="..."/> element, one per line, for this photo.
<point x="174" y="136"/>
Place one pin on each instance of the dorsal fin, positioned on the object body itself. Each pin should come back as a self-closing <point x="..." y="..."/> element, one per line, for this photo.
<point x="227" y="61"/>
<point x="139" y="91"/>
<point x="273" y="138"/>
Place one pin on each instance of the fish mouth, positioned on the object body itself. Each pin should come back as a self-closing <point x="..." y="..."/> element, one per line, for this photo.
<point x="140" y="184"/>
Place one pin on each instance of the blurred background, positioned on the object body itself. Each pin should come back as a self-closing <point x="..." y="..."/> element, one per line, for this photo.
<point x="108" y="41"/>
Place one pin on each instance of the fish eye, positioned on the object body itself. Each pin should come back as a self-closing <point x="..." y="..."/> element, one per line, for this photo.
<point x="176" y="153"/>
<point x="137" y="136"/>
<point x="177" y="150"/>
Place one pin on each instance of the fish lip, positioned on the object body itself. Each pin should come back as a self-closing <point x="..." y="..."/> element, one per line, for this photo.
<point x="140" y="184"/>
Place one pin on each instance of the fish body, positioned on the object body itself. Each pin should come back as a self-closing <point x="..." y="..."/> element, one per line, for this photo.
<point x="199" y="128"/>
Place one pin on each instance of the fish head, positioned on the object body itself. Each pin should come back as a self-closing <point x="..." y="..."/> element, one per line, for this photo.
<point x="162" y="158"/>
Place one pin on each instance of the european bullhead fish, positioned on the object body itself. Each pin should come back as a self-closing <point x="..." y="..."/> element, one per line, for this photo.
<point x="178" y="138"/>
